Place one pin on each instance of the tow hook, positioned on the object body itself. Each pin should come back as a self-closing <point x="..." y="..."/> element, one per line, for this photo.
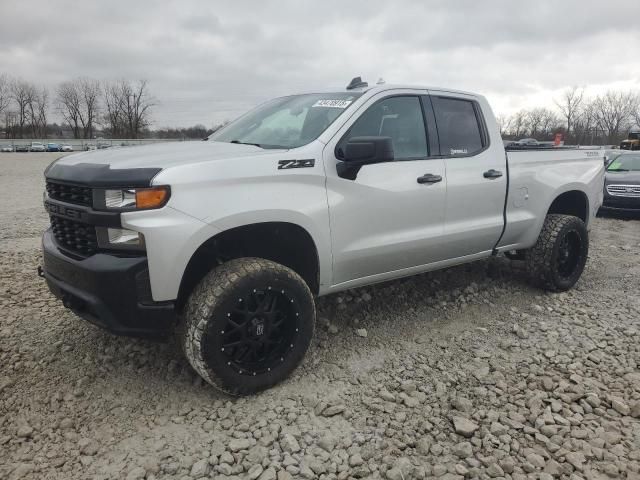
<point x="40" y="271"/>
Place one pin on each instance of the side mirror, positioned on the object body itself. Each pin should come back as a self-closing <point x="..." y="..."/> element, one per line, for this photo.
<point x="366" y="150"/>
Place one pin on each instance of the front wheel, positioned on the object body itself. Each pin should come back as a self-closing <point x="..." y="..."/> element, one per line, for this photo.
<point x="558" y="258"/>
<point x="248" y="324"/>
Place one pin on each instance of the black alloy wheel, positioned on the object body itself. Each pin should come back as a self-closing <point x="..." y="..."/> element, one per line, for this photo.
<point x="248" y="324"/>
<point x="260" y="330"/>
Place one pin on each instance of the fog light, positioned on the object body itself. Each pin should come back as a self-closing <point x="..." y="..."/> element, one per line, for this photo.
<point x="122" y="236"/>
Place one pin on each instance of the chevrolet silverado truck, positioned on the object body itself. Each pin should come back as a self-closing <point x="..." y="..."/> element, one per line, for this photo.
<point x="227" y="242"/>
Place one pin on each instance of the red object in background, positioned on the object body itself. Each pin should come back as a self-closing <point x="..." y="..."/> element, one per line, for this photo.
<point x="558" y="139"/>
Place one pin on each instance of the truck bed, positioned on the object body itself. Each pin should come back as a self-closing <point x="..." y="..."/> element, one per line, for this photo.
<point x="536" y="174"/>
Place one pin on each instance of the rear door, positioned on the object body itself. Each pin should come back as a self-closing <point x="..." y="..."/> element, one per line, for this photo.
<point x="476" y="174"/>
<point x="389" y="216"/>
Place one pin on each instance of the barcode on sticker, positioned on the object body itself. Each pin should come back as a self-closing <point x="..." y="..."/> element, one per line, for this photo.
<point x="332" y="103"/>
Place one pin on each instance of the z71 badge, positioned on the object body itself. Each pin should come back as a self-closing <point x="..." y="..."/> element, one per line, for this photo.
<point x="284" y="164"/>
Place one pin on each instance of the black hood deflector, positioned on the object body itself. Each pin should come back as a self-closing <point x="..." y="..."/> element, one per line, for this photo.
<point x="98" y="175"/>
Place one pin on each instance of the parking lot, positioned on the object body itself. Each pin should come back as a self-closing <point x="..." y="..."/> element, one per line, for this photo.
<point x="468" y="372"/>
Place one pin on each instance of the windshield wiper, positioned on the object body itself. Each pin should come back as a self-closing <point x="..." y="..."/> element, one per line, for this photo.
<point x="246" y="143"/>
<point x="618" y="170"/>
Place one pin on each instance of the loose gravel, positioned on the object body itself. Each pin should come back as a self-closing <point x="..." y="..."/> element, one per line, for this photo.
<point x="463" y="373"/>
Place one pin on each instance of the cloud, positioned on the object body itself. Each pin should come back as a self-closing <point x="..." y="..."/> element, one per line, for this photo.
<point x="210" y="61"/>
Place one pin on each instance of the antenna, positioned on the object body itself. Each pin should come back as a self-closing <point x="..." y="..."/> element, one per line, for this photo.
<point x="357" y="82"/>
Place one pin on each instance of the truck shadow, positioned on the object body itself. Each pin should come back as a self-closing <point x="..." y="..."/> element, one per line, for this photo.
<point x="121" y="367"/>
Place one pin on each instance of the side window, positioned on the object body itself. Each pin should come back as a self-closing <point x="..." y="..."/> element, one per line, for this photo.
<point x="458" y="127"/>
<point x="399" y="118"/>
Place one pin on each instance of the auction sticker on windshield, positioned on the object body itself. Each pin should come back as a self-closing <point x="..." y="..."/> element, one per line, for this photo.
<point x="332" y="103"/>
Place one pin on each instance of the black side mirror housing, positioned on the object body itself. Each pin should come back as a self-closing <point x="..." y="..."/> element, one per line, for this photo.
<point x="366" y="150"/>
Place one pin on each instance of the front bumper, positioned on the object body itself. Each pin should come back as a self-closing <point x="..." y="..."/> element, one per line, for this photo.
<point x="621" y="204"/>
<point x="110" y="291"/>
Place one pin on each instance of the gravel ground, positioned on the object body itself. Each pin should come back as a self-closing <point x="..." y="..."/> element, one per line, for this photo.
<point x="464" y="373"/>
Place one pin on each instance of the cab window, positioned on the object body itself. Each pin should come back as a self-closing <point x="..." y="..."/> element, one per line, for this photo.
<point x="399" y="118"/>
<point x="459" y="128"/>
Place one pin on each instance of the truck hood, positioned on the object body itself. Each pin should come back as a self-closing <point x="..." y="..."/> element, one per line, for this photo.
<point x="162" y="155"/>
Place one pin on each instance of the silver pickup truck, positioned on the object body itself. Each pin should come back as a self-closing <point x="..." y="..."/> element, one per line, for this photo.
<point x="227" y="242"/>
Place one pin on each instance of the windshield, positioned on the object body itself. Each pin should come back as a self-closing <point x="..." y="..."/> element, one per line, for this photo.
<point x="287" y="122"/>
<point x="634" y="136"/>
<point x="625" y="163"/>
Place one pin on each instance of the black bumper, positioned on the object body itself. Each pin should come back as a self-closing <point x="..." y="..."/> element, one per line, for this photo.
<point x="621" y="204"/>
<point x="109" y="291"/>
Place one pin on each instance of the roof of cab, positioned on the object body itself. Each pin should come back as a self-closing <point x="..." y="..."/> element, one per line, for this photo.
<point x="389" y="86"/>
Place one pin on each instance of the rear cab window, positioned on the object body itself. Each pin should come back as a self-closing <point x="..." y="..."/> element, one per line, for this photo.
<point x="461" y="130"/>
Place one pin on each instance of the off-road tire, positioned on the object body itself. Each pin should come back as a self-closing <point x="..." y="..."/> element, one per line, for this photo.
<point x="209" y="306"/>
<point x="543" y="261"/>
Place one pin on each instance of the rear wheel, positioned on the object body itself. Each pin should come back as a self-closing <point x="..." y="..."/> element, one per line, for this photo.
<point x="558" y="258"/>
<point x="248" y="324"/>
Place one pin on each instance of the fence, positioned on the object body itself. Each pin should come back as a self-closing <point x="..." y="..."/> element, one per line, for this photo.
<point x="79" y="144"/>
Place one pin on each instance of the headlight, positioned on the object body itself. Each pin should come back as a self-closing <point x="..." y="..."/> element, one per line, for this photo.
<point x="136" y="198"/>
<point x="120" y="198"/>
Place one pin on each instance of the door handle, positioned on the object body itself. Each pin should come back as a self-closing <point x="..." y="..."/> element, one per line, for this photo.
<point x="492" y="174"/>
<point x="429" y="178"/>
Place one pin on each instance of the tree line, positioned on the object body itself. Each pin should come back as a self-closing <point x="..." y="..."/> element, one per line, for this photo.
<point x="600" y="119"/>
<point x="122" y="109"/>
<point x="118" y="109"/>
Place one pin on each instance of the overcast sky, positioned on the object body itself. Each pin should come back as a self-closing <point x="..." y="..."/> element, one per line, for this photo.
<point x="208" y="61"/>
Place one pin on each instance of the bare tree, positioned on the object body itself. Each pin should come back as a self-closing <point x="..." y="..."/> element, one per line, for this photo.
<point x="535" y="118"/>
<point x="585" y="125"/>
<point x="569" y="105"/>
<point x="90" y="100"/>
<point x="549" y="123"/>
<point x="635" y="111"/>
<point x="113" y="117"/>
<point x="78" y="102"/>
<point x="68" y="100"/>
<point x="519" y="123"/>
<point x="22" y="94"/>
<point x="128" y="107"/>
<point x="138" y="108"/>
<point x="10" y="123"/>
<point x="5" y="93"/>
<point x="613" y="110"/>
<point x="504" y="123"/>
<point x="38" y="110"/>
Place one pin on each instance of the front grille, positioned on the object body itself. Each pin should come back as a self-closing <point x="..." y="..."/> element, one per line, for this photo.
<point x="70" y="193"/>
<point x="75" y="236"/>
<point x="624" y="190"/>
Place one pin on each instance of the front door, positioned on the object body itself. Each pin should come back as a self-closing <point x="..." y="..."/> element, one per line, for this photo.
<point x="387" y="216"/>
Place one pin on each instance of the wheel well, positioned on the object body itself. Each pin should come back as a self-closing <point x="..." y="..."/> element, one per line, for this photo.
<point x="281" y="242"/>
<point x="573" y="203"/>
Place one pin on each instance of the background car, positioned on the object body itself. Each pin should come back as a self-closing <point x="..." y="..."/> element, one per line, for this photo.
<point x="526" y="141"/>
<point x="6" y="148"/>
<point x="53" y="147"/>
<point x="66" y="148"/>
<point x="37" y="147"/>
<point x="622" y="184"/>
<point x="22" y="148"/>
